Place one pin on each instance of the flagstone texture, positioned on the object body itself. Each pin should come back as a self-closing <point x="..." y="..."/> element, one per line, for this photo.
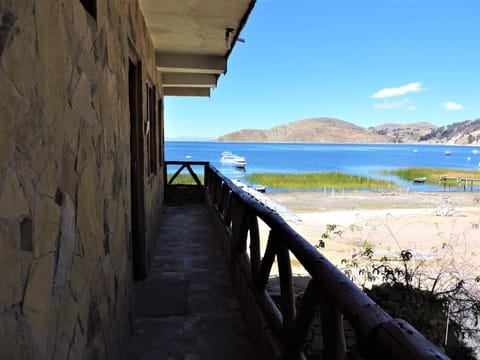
<point x="186" y="308"/>
<point x="65" y="244"/>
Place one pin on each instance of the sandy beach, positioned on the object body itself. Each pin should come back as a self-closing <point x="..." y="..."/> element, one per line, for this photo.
<point x="441" y="229"/>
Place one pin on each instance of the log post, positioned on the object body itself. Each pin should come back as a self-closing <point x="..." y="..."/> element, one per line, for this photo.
<point x="254" y="245"/>
<point x="267" y="262"/>
<point x="239" y="227"/>
<point x="331" y="320"/>
<point x="287" y="296"/>
<point x="305" y="316"/>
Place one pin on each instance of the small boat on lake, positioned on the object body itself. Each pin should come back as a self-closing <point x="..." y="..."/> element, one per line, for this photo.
<point x="420" y="180"/>
<point x="235" y="160"/>
<point x="448" y="153"/>
<point x="260" y="188"/>
<point x="247" y="187"/>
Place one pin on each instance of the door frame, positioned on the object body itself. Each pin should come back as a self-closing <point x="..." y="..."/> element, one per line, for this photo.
<point x="137" y="164"/>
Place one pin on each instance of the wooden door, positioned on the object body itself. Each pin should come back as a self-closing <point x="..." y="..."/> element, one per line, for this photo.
<point x="139" y="248"/>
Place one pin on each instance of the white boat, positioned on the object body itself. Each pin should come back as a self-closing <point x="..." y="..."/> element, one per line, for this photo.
<point x="448" y="153"/>
<point x="235" y="160"/>
<point x="248" y="188"/>
<point x="260" y="188"/>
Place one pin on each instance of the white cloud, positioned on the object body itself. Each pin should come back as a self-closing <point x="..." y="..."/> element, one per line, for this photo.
<point x="450" y="105"/>
<point x="411" y="108"/>
<point x="398" y="91"/>
<point x="392" y="105"/>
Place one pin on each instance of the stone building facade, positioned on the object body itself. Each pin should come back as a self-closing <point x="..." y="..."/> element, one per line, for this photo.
<point x="71" y="170"/>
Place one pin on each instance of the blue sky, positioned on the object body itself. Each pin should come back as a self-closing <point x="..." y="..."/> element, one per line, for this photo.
<point x="365" y="62"/>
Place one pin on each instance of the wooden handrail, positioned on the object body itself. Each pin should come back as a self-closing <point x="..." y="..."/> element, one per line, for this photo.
<point x="184" y="165"/>
<point x="379" y="336"/>
<point x="192" y="163"/>
<point x="175" y="190"/>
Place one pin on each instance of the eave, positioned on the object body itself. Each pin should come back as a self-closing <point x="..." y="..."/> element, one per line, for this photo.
<point x="193" y="40"/>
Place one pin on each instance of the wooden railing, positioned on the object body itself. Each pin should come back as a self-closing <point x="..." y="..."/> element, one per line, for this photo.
<point x="330" y="292"/>
<point x="193" y="192"/>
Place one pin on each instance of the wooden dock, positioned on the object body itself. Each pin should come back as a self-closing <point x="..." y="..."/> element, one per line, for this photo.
<point x="459" y="182"/>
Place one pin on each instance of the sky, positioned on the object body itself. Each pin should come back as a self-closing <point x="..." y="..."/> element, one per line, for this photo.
<point x="365" y="62"/>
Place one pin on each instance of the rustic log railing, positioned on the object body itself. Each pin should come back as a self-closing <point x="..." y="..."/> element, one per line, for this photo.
<point x="184" y="192"/>
<point x="378" y="335"/>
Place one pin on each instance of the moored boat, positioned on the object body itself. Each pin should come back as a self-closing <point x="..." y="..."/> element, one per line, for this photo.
<point x="235" y="160"/>
<point x="260" y="188"/>
<point x="420" y="180"/>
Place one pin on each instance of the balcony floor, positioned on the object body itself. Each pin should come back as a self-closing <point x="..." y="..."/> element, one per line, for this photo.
<point x="186" y="308"/>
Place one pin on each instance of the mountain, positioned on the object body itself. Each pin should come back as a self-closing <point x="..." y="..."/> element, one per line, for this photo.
<point x="328" y="130"/>
<point x="320" y="130"/>
<point x="405" y="133"/>
<point x="460" y="133"/>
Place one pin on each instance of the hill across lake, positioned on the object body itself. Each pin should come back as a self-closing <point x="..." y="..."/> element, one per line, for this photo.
<point x="329" y="130"/>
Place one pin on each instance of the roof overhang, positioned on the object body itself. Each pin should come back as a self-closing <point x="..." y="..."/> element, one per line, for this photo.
<point x="193" y="40"/>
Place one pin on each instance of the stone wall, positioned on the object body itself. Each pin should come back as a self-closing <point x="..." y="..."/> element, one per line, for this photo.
<point x="65" y="198"/>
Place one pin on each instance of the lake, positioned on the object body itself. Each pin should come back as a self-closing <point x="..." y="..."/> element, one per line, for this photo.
<point x="358" y="159"/>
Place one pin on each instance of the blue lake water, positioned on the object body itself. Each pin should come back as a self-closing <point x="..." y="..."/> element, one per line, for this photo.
<point x="359" y="159"/>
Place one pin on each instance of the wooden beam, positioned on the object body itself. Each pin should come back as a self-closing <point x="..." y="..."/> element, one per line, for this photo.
<point x="186" y="63"/>
<point x="185" y="91"/>
<point x="189" y="80"/>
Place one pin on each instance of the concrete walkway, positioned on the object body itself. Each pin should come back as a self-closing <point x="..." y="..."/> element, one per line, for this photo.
<point x="186" y="308"/>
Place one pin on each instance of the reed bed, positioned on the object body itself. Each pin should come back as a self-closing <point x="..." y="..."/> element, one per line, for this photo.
<point x="432" y="175"/>
<point x="319" y="181"/>
<point x="340" y="180"/>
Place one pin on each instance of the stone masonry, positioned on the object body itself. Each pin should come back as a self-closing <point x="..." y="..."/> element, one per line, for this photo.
<point x="65" y="197"/>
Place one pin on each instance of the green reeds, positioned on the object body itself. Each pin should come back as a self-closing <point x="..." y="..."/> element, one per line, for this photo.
<point x="319" y="181"/>
<point x="432" y="175"/>
<point x="184" y="179"/>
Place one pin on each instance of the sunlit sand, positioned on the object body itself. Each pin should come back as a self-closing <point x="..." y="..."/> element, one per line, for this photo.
<point x="440" y="229"/>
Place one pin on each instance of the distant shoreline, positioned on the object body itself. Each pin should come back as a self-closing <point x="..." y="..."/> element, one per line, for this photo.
<point x="320" y="143"/>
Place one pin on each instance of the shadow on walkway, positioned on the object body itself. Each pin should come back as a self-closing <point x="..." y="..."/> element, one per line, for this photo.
<point x="186" y="308"/>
